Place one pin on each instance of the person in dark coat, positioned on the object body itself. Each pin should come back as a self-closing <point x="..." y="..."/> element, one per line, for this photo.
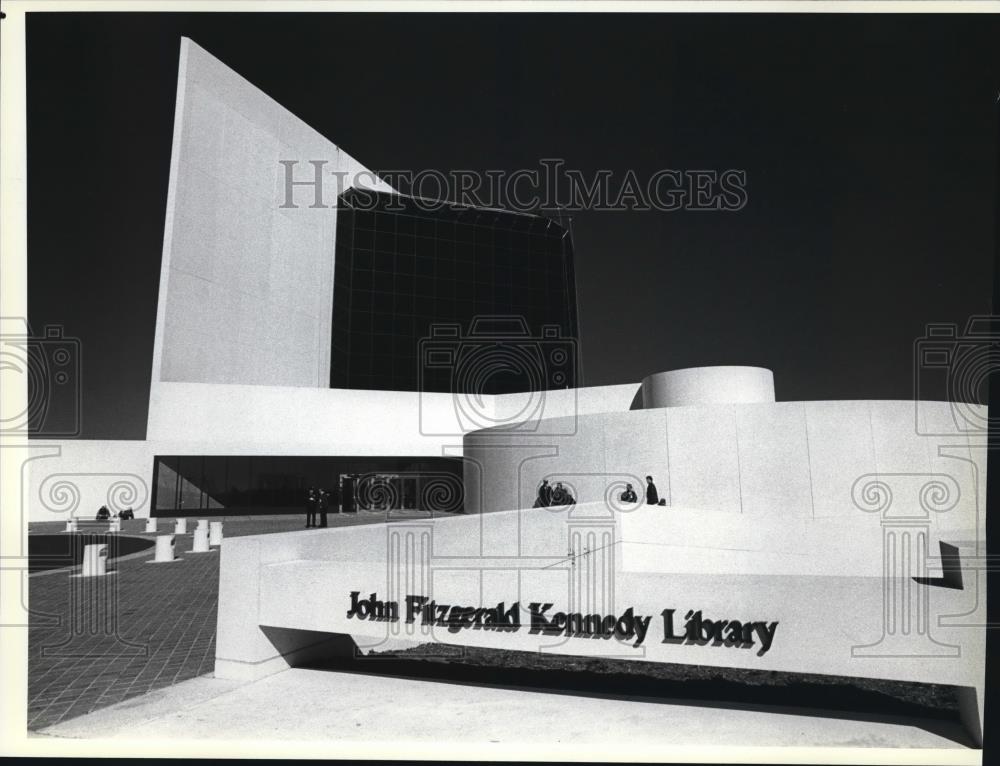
<point x="628" y="496"/>
<point x="103" y="514"/>
<point x="561" y="495"/>
<point x="558" y="494"/>
<point x="324" y="505"/>
<point x="311" y="502"/>
<point x="652" y="496"/>
<point x="545" y="494"/>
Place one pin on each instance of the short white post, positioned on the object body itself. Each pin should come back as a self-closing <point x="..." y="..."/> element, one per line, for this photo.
<point x="95" y="560"/>
<point x="150" y="525"/>
<point x="200" y="542"/>
<point x="215" y="533"/>
<point x="164" y="548"/>
<point x="69" y="526"/>
<point x="72" y="524"/>
<point x="115" y="525"/>
<point x="181" y="527"/>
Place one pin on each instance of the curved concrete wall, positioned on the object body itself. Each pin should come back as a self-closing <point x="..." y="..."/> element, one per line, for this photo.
<point x="802" y="460"/>
<point x="708" y="385"/>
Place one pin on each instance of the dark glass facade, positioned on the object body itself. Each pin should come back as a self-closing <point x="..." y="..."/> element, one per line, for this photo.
<point x="430" y="296"/>
<point x="221" y="485"/>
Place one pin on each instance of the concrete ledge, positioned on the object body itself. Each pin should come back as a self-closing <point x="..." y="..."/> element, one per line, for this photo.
<point x="809" y="597"/>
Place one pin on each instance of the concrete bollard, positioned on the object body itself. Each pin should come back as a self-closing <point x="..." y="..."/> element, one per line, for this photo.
<point x="72" y="524"/>
<point x="95" y="560"/>
<point x="150" y="525"/>
<point x="200" y="542"/>
<point x="115" y="525"/>
<point x="164" y="549"/>
<point x="181" y="527"/>
<point x="69" y="526"/>
<point x="215" y="533"/>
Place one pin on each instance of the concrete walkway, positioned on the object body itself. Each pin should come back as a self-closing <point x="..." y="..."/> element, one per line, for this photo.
<point x="98" y="641"/>
<point x="346" y="708"/>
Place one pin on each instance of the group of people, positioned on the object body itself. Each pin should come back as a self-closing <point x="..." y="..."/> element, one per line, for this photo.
<point x="317" y="506"/>
<point x="652" y="496"/>
<point x="559" y="495"/>
<point x="549" y="495"/>
<point x="103" y="514"/>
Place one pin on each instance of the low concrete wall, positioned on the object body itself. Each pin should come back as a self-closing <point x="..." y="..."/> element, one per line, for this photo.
<point x="289" y="420"/>
<point x="829" y="591"/>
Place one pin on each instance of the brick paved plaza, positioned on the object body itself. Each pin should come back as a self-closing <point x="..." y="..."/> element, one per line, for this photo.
<point x="97" y="641"/>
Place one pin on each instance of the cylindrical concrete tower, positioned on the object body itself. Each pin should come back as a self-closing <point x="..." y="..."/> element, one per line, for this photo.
<point x="708" y="385"/>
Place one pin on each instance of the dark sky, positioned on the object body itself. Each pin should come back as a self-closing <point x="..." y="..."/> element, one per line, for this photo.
<point x="869" y="144"/>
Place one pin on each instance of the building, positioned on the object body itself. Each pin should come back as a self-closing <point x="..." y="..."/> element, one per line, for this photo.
<point x="310" y="331"/>
<point x="307" y="332"/>
<point x="361" y="341"/>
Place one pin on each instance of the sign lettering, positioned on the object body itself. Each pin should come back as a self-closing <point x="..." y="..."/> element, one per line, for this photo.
<point x="628" y="626"/>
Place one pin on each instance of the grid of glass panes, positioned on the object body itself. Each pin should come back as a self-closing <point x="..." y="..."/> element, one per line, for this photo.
<point x="400" y="271"/>
<point x="217" y="483"/>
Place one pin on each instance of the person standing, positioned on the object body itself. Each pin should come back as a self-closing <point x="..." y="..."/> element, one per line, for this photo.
<point x="652" y="496"/>
<point x="311" y="508"/>
<point x="335" y="498"/>
<point x="324" y="505"/>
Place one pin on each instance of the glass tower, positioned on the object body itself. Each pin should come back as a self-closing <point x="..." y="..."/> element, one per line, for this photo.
<point x="434" y="296"/>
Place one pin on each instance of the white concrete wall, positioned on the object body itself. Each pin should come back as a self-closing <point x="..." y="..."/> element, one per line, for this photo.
<point x="288" y="420"/>
<point x="74" y="477"/>
<point x="355" y="422"/>
<point x="559" y="403"/>
<point x="796" y="460"/>
<point x="246" y="287"/>
<point x="539" y="412"/>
